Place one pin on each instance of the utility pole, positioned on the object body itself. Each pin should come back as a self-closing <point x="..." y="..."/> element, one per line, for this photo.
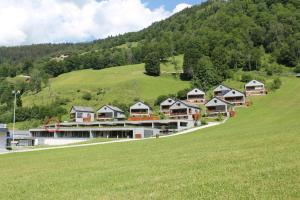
<point x="14" y="120"/>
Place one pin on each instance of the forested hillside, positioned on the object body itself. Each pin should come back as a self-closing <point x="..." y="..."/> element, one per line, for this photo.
<point x="217" y="38"/>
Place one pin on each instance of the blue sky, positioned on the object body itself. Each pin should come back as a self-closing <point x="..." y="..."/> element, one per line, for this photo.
<point x="168" y="4"/>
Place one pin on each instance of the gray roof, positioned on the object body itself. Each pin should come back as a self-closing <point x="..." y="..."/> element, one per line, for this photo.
<point x="82" y="109"/>
<point x="168" y="102"/>
<point x="113" y="108"/>
<point x="189" y="105"/>
<point x="254" y="83"/>
<point x="298" y="75"/>
<point x="139" y="105"/>
<point x="234" y="93"/>
<point x="217" y="102"/>
<point x="195" y="91"/>
<point x="221" y="88"/>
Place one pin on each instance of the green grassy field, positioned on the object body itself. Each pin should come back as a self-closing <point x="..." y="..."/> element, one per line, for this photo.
<point x="253" y="156"/>
<point x="123" y="84"/>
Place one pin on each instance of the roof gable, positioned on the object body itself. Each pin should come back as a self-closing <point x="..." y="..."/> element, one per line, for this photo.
<point x="234" y="93"/>
<point x="81" y="109"/>
<point x="104" y="109"/>
<point x="216" y="102"/>
<point x="195" y="91"/>
<point x="181" y="104"/>
<point x="254" y="83"/>
<point x="139" y="105"/>
<point x="221" y="88"/>
<point x="168" y="102"/>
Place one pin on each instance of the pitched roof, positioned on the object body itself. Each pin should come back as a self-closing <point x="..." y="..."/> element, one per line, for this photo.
<point x="234" y="93"/>
<point x="82" y="109"/>
<point x="217" y="101"/>
<point x="167" y="102"/>
<point x="221" y="88"/>
<point x="253" y="83"/>
<point x="139" y="105"/>
<point x="186" y="104"/>
<point x="195" y="91"/>
<point x="113" y="108"/>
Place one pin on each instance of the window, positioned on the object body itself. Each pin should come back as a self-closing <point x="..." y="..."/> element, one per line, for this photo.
<point x="79" y="115"/>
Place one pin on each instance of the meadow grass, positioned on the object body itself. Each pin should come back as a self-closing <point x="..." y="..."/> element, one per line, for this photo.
<point x="253" y="156"/>
<point x="123" y="84"/>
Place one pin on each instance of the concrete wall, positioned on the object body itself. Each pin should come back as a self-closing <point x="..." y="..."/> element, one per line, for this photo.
<point x="60" y="141"/>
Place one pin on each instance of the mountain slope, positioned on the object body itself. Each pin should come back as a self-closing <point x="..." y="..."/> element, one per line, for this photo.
<point x="252" y="156"/>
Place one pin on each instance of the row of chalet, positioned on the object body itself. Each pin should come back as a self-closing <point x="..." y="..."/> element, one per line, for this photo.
<point x="222" y="102"/>
<point x="178" y="110"/>
<point x="253" y="87"/>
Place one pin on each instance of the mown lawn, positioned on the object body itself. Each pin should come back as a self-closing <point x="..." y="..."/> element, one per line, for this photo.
<point x="253" y="156"/>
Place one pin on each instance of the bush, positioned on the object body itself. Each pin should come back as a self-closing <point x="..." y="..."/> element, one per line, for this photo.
<point x="220" y="117"/>
<point x="87" y="96"/>
<point x="246" y="78"/>
<point x="297" y="68"/>
<point x="203" y="122"/>
<point x="276" y="84"/>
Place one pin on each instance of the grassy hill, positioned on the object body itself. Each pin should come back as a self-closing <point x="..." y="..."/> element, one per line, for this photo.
<point x="253" y="156"/>
<point x="122" y="84"/>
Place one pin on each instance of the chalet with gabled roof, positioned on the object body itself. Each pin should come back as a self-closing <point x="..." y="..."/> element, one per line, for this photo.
<point x="82" y="114"/>
<point x="217" y="106"/>
<point x="235" y="97"/>
<point x="255" y="87"/>
<point x="196" y="96"/>
<point x="140" y="109"/>
<point x="165" y="106"/>
<point x="109" y="112"/>
<point x="184" y="110"/>
<point x="220" y="91"/>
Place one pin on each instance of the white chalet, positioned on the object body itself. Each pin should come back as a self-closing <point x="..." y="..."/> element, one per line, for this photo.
<point x="255" y="87"/>
<point x="140" y="109"/>
<point x="220" y="91"/>
<point x="109" y="112"/>
<point x="81" y="114"/>
<point x="217" y="106"/>
<point x="235" y="97"/>
<point x="196" y="96"/>
<point x="184" y="110"/>
<point x="165" y="106"/>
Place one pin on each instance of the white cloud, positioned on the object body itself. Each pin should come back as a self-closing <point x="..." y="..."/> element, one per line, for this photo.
<point x="180" y="7"/>
<point x="44" y="21"/>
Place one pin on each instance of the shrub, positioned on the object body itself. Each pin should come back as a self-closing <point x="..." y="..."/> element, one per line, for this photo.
<point x="297" y="68"/>
<point x="220" y="117"/>
<point x="203" y="122"/>
<point x="246" y="78"/>
<point x="87" y="96"/>
<point x="276" y="84"/>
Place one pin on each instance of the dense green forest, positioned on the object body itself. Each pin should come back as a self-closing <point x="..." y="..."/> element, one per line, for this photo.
<point x="216" y="38"/>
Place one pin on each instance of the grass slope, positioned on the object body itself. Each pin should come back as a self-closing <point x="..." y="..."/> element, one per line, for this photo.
<point x="253" y="156"/>
<point x="123" y="84"/>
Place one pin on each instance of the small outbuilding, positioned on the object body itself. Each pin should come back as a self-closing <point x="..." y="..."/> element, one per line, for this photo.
<point x="82" y="114"/>
<point x="217" y="106"/>
<point x="196" y="96"/>
<point x="298" y="75"/>
<point x="221" y="90"/>
<point x="255" y="87"/>
<point x="235" y="97"/>
<point x="184" y="110"/>
<point x="109" y="112"/>
<point x="165" y="106"/>
<point x="140" y="109"/>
